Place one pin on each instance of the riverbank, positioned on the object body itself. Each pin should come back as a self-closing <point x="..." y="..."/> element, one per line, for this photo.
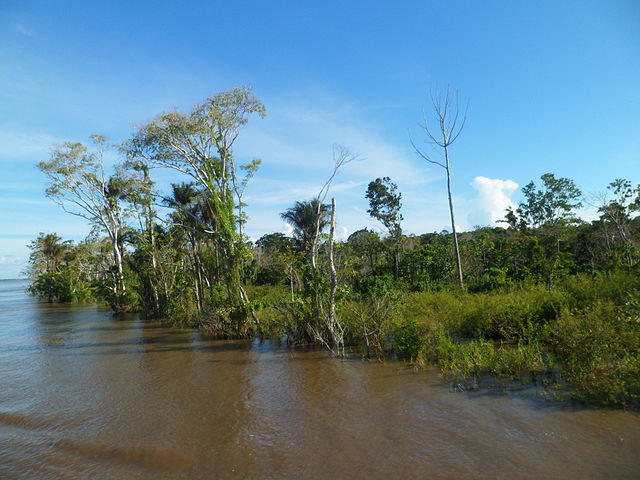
<point x="582" y="338"/>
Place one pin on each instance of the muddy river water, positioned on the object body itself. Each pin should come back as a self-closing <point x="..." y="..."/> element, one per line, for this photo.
<point x="86" y="395"/>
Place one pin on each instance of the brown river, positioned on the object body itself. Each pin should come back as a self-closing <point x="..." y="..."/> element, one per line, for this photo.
<point x="84" y="395"/>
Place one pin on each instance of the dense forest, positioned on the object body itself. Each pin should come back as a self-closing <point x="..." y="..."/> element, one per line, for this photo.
<point x="546" y="297"/>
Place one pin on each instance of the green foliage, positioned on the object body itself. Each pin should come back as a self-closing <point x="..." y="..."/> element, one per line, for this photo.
<point x="305" y="217"/>
<point x="61" y="286"/>
<point x="61" y="271"/>
<point x="545" y="207"/>
<point x="200" y="144"/>
<point x="275" y="243"/>
<point x="375" y="286"/>
<point x="385" y="203"/>
<point x="587" y="331"/>
<point x="600" y="349"/>
<point x="513" y="315"/>
<point x="466" y="362"/>
<point x="49" y="253"/>
<point x="274" y="259"/>
<point x="521" y="313"/>
<point x="523" y="361"/>
<point x="551" y="295"/>
<point x="616" y="287"/>
<point x="272" y="273"/>
<point x="428" y="265"/>
<point x="79" y="183"/>
<point x="366" y="249"/>
<point x="408" y="339"/>
<point x="493" y="278"/>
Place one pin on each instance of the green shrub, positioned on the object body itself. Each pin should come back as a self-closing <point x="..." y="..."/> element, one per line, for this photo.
<point x="465" y="360"/>
<point x="492" y="279"/>
<point x="375" y="286"/>
<point x="600" y="352"/>
<point x="52" y="287"/>
<point x="368" y="323"/>
<point x="408" y="339"/>
<point x="62" y="286"/>
<point x="616" y="287"/>
<point x="468" y="360"/>
<point x="522" y="361"/>
<point x="517" y="315"/>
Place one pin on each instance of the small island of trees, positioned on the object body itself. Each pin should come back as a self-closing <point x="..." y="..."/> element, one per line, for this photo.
<point x="548" y="297"/>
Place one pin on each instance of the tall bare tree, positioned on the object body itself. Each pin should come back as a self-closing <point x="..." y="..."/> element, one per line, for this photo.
<point x="341" y="157"/>
<point x="450" y="121"/>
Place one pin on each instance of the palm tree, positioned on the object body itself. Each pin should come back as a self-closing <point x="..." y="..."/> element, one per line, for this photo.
<point x="302" y="217"/>
<point x="48" y="251"/>
<point x="191" y="214"/>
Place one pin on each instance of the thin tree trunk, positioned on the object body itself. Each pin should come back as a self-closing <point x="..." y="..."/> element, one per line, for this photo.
<point x="397" y="259"/>
<point x="245" y="300"/>
<point x="120" y="287"/>
<point x="453" y="221"/>
<point x="336" y="340"/>
<point x="314" y="265"/>
<point x="154" y="263"/>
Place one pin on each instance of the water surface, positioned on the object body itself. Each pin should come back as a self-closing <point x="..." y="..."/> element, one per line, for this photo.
<point x="87" y="395"/>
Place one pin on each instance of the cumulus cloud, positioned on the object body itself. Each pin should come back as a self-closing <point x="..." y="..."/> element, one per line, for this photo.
<point x="287" y="229"/>
<point x="494" y="197"/>
<point x="342" y="233"/>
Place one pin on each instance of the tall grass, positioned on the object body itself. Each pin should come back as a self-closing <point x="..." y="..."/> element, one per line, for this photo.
<point x="588" y="330"/>
<point x="584" y="334"/>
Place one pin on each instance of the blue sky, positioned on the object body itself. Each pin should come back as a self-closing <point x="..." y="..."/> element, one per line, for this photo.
<point x="552" y="86"/>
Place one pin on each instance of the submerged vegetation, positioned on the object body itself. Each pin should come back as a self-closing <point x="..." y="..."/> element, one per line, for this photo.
<point x="548" y="298"/>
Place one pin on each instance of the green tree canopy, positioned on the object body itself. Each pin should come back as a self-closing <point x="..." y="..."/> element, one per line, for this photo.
<point x="385" y="203"/>
<point x="302" y="217"/>
<point x="553" y="203"/>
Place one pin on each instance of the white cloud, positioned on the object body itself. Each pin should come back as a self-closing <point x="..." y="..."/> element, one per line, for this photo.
<point x="24" y="30"/>
<point x="588" y="213"/>
<point x="15" y="143"/>
<point x="342" y="233"/>
<point x="10" y="260"/>
<point x="287" y="229"/>
<point x="494" y="197"/>
<point x="300" y="137"/>
<point x="23" y="201"/>
<point x="295" y="145"/>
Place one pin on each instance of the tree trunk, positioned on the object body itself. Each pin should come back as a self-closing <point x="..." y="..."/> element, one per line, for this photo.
<point x="119" y="287"/>
<point x="313" y="253"/>
<point x="153" y="283"/>
<point x="396" y="259"/>
<point x="453" y="221"/>
<point x="336" y="336"/>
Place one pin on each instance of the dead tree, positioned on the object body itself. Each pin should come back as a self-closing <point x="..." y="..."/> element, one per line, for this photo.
<point x="341" y="156"/>
<point x="336" y="331"/>
<point x="450" y="122"/>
